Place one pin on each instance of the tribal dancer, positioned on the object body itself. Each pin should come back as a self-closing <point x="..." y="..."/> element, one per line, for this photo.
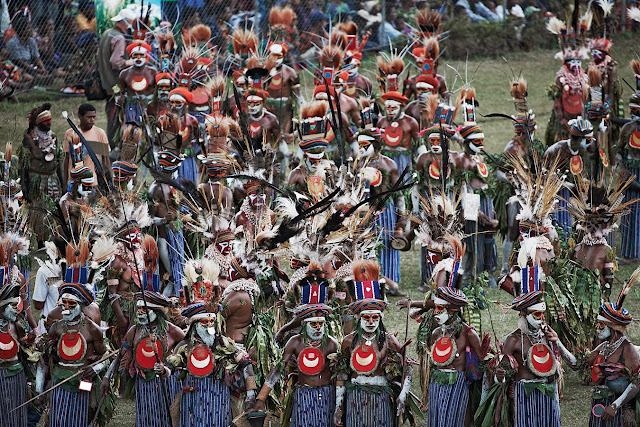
<point x="137" y="82"/>
<point x="283" y="86"/>
<point x="449" y="383"/>
<point x="13" y="381"/>
<point x="577" y="154"/>
<point x="615" y="392"/>
<point x="179" y="99"/>
<point x="144" y="352"/>
<point x="382" y="172"/>
<point x="76" y="199"/>
<point x="570" y="80"/>
<point x="424" y="108"/>
<point x="166" y="204"/>
<point x="41" y="166"/>
<point x="311" y="402"/>
<point x="629" y="150"/>
<point x="72" y="343"/>
<point x="370" y="353"/>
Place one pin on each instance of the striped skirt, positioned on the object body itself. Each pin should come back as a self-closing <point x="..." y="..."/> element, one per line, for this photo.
<point x="151" y="409"/>
<point x="487" y="248"/>
<point x="448" y="403"/>
<point x="616" y="421"/>
<point x="538" y="409"/>
<point x="13" y="393"/>
<point x="69" y="408"/>
<point x="367" y="409"/>
<point x="561" y="215"/>
<point x="189" y="169"/>
<point x="175" y="240"/>
<point x="389" y="257"/>
<point x="402" y="159"/>
<point x="313" y="406"/>
<point x="208" y="405"/>
<point x="630" y="224"/>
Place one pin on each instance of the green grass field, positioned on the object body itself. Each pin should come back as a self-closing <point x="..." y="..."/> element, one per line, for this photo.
<point x="491" y="78"/>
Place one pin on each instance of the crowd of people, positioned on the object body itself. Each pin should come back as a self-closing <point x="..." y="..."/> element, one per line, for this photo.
<point x="224" y="249"/>
<point x="53" y="43"/>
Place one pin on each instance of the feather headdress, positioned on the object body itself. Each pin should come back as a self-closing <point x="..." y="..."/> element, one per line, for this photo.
<point x="440" y="216"/>
<point x="118" y="213"/>
<point x="597" y="207"/>
<point x="331" y="56"/>
<point x="429" y="21"/>
<point x="244" y="41"/>
<point x="536" y="189"/>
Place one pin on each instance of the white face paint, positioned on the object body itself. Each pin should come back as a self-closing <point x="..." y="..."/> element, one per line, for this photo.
<point x="366" y="151"/>
<point x="574" y="65"/>
<point x="10" y="313"/>
<point x="369" y="322"/>
<point x="82" y="192"/>
<point x="206" y="334"/>
<point x="535" y="320"/>
<point x="393" y="109"/>
<point x="353" y="71"/>
<point x="139" y="62"/>
<point x="441" y="318"/>
<point x="68" y="315"/>
<point x="314" y="334"/>
<point x="142" y="316"/>
<point x="604" y="333"/>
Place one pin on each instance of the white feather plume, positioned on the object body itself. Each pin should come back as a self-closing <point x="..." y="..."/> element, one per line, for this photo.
<point x="555" y="25"/>
<point x="634" y="13"/>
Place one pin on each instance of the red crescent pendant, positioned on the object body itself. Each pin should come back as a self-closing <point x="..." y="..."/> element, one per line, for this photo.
<point x="200" y="361"/>
<point x="603" y="157"/>
<point x="139" y="83"/>
<point x="434" y="170"/>
<point x="482" y="170"/>
<point x="634" y="141"/>
<point x="572" y="103"/>
<point x="576" y="164"/>
<point x="443" y="352"/>
<point x="310" y="361"/>
<point x="255" y="129"/>
<point x="145" y="356"/>
<point x="276" y="82"/>
<point x="596" y="371"/>
<point x="541" y="360"/>
<point x="364" y="360"/>
<point x="72" y="346"/>
<point x="184" y="133"/>
<point x="393" y="134"/>
<point x="8" y="346"/>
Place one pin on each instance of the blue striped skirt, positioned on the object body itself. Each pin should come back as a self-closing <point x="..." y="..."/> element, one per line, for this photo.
<point x="151" y="409"/>
<point x="402" y="159"/>
<point x="69" y="408"/>
<point x="208" y="405"/>
<point x="189" y="169"/>
<point x="367" y="409"/>
<point x="630" y="224"/>
<point x="538" y="409"/>
<point x="175" y="240"/>
<point x="13" y="393"/>
<point x="487" y="248"/>
<point x="389" y="257"/>
<point x="599" y="422"/>
<point x="561" y="215"/>
<point x="313" y="406"/>
<point x="448" y="403"/>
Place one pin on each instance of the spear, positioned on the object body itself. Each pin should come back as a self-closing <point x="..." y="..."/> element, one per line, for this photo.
<point x="80" y="372"/>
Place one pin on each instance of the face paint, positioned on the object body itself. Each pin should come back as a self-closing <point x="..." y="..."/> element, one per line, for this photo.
<point x="254" y="107"/>
<point x="393" y="109"/>
<point x="315" y="330"/>
<point x="70" y="309"/>
<point x="312" y="164"/>
<point x="163" y="92"/>
<point x="84" y="190"/>
<point x="133" y="239"/>
<point x="278" y="58"/>
<point x="206" y="335"/>
<point x="369" y="322"/>
<point x="436" y="148"/>
<point x="366" y="150"/>
<point x="575" y="65"/>
<point x="139" y="59"/>
<point x="257" y="200"/>
<point x="535" y="319"/>
<point x="603" y="331"/>
<point x="476" y="145"/>
<point x="11" y="312"/>
<point x="142" y="316"/>
<point x="224" y="247"/>
<point x="441" y="314"/>
<point x="598" y="55"/>
<point x="177" y="107"/>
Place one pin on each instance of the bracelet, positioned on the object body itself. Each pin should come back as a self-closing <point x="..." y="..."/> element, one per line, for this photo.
<point x="250" y="383"/>
<point x="264" y="393"/>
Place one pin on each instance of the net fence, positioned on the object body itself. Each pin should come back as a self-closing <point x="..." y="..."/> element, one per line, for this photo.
<point x="54" y="43"/>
